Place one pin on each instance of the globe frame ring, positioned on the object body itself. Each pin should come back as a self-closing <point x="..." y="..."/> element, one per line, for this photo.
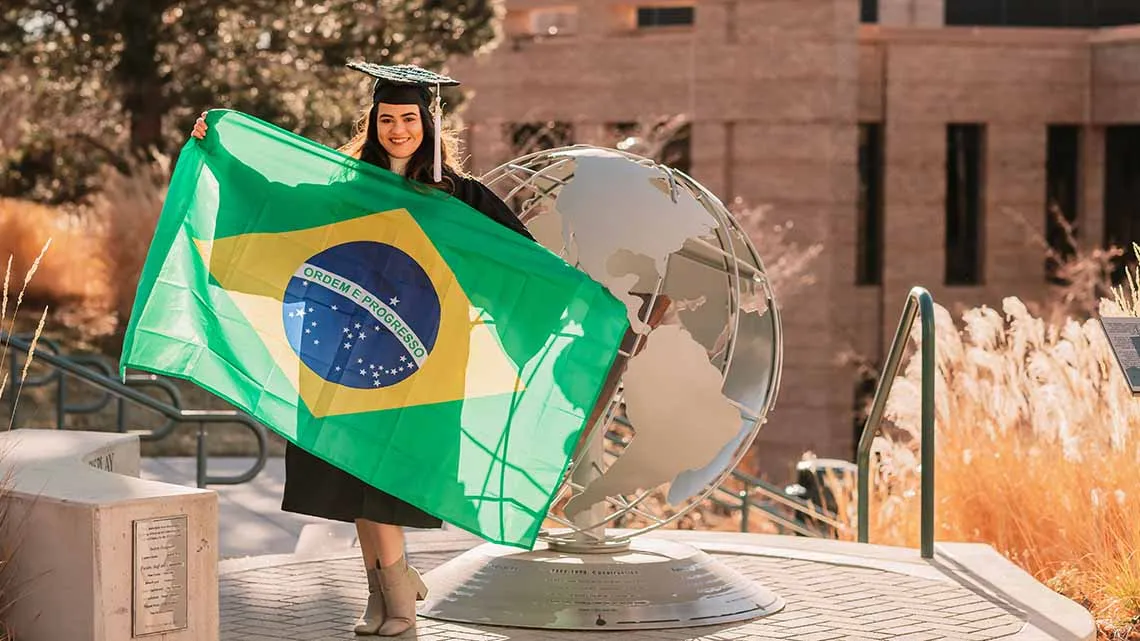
<point x="731" y="237"/>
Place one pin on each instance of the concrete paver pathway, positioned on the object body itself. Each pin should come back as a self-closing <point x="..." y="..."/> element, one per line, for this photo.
<point x="833" y="590"/>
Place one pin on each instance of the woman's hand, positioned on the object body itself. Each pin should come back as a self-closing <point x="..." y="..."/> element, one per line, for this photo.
<point x="199" y="130"/>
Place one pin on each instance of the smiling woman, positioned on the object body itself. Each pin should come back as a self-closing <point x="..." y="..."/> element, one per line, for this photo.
<point x="401" y="130"/>
<point x="372" y="320"/>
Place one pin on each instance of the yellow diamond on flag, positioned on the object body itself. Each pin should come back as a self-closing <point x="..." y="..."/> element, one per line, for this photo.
<point x="302" y="289"/>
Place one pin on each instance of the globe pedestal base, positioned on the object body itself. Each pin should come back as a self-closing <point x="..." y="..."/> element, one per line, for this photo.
<point x="653" y="584"/>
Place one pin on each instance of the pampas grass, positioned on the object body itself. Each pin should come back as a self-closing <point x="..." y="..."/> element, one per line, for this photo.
<point x="1127" y="301"/>
<point x="1038" y="443"/>
<point x="11" y="324"/>
<point x="7" y="323"/>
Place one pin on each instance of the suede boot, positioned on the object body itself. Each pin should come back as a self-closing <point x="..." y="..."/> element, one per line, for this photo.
<point x="374" y="614"/>
<point x="401" y="586"/>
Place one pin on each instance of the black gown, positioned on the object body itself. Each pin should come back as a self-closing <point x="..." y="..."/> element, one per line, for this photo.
<point x="316" y="488"/>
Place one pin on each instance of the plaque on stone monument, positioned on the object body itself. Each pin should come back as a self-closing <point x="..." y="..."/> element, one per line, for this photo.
<point x="159" y="582"/>
<point x="1124" y="338"/>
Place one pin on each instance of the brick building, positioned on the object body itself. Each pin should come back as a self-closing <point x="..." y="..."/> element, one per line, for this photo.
<point x="919" y="140"/>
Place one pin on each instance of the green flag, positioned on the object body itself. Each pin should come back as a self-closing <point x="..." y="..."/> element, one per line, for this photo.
<point x="391" y="330"/>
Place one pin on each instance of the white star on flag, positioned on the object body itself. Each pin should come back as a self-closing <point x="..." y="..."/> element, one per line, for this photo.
<point x="394" y="301"/>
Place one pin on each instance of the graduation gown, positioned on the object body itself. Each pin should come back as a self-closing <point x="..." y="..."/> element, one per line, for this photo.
<point x="317" y="488"/>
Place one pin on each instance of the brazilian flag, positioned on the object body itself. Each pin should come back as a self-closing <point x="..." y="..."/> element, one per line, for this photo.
<point x="386" y="327"/>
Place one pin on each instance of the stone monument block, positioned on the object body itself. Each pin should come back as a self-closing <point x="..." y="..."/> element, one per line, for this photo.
<point x="98" y="554"/>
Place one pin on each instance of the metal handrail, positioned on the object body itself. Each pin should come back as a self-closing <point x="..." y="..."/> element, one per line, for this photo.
<point x="757" y="485"/>
<point x="177" y="415"/>
<point x="918" y="302"/>
<point x="745" y="502"/>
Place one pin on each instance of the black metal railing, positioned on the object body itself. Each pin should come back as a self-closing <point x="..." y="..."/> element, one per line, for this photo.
<point x="790" y="514"/>
<point x="920" y="304"/>
<point x="95" y="372"/>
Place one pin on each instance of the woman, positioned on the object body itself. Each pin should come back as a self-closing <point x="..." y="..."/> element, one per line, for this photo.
<point x="391" y="135"/>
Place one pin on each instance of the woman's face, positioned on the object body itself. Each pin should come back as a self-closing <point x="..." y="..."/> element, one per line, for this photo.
<point x="399" y="128"/>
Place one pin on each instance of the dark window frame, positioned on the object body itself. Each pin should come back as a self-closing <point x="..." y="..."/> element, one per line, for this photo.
<point x="529" y="137"/>
<point x="1080" y="14"/>
<point x="655" y="16"/>
<point x="870" y="224"/>
<point x="965" y="204"/>
<point x="869" y="11"/>
<point x="1062" y="195"/>
<point x="1122" y="193"/>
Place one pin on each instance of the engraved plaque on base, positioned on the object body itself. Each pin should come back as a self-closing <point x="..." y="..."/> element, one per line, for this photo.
<point x="1124" y="339"/>
<point x="159" y="583"/>
<point x="655" y="584"/>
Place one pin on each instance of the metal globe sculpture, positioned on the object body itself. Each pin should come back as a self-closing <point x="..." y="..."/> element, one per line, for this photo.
<point x="687" y="395"/>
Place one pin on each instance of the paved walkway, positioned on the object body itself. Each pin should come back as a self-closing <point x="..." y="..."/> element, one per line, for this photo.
<point x="833" y="591"/>
<point x="286" y="577"/>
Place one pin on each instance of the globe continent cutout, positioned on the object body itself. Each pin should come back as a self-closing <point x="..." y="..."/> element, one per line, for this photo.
<point x="621" y="221"/>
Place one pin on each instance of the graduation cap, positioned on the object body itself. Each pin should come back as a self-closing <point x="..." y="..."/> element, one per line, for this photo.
<point x="409" y="85"/>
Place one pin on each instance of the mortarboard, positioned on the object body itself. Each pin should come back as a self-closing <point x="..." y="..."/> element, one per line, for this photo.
<point x="409" y="85"/>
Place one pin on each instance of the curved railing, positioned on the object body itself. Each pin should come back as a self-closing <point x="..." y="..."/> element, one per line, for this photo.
<point x="97" y="373"/>
<point x="918" y="303"/>
<point x="762" y="497"/>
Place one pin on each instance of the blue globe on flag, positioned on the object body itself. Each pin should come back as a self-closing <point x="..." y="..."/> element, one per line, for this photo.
<point x="362" y="314"/>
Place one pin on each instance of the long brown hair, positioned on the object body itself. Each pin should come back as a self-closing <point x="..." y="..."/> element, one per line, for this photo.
<point x="365" y="145"/>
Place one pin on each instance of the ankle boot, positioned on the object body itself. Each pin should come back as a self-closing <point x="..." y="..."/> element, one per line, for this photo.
<point x="401" y="586"/>
<point x="373" y="616"/>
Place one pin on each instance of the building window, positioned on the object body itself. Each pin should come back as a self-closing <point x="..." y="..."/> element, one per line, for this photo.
<point x="964" y="200"/>
<point x="1043" y="13"/>
<point x="677" y="151"/>
<point x="1062" y="186"/>
<point x="869" y="11"/>
<point x="1114" y="13"/>
<point x="1122" y="192"/>
<point x="869" y="245"/>
<point x="530" y="137"/>
<point x="667" y="141"/>
<point x="664" y="17"/>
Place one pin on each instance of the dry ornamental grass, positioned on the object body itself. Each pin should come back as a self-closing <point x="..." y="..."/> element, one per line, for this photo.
<point x="1038" y="443"/>
<point x="8" y="591"/>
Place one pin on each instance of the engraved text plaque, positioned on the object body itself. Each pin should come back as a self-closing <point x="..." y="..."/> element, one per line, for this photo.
<point x="1124" y="338"/>
<point x="159" y="597"/>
